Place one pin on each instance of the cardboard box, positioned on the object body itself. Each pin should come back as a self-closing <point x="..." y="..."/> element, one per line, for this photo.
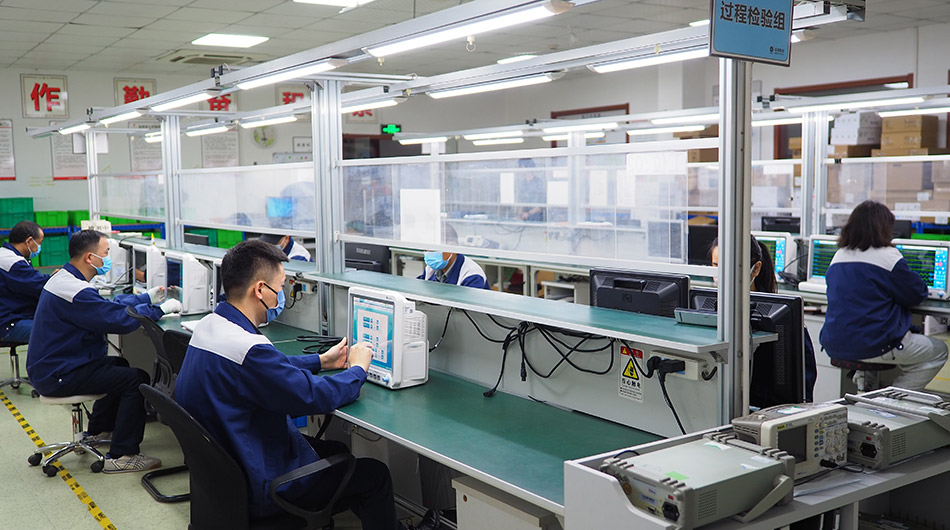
<point x="940" y="172"/>
<point x="862" y="136"/>
<point x="850" y="151"/>
<point x="903" y="198"/>
<point x="703" y="155"/>
<point x="856" y="120"/>
<point x="935" y="205"/>
<point x="796" y="153"/>
<point x="900" y="177"/>
<point x="909" y="139"/>
<point x="921" y="123"/>
<point x="941" y="192"/>
<point x="795" y="143"/>
<point x="711" y="131"/>
<point x="909" y="151"/>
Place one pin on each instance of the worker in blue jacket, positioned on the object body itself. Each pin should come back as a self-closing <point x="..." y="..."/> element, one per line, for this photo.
<point x="871" y="289"/>
<point x="245" y="391"/>
<point x="68" y="350"/>
<point x="20" y="283"/>
<point x="291" y="248"/>
<point x="453" y="268"/>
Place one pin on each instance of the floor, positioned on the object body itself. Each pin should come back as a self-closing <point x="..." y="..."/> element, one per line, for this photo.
<point x="30" y="499"/>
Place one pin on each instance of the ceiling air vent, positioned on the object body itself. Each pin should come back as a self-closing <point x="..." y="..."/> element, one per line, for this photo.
<point x="203" y="58"/>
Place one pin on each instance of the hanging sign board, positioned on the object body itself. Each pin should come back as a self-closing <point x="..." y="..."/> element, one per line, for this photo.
<point x="753" y="30"/>
<point x="7" y="166"/>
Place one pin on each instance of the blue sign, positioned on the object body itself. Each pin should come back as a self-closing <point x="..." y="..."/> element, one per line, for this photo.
<point x="753" y="30"/>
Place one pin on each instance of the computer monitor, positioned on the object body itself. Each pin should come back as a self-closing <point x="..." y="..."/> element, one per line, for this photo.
<point x="154" y="267"/>
<point x="217" y="295"/>
<point x="640" y="292"/>
<point x="778" y="368"/>
<point x="792" y="225"/>
<point x="903" y="229"/>
<point x="699" y="239"/>
<point x="188" y="281"/>
<point x="782" y="248"/>
<point x="139" y="270"/>
<point x="397" y="333"/>
<point x="280" y="207"/>
<point x="821" y="250"/>
<point x="929" y="260"/>
<point x="197" y="239"/>
<point x="119" y="274"/>
<point x="366" y="257"/>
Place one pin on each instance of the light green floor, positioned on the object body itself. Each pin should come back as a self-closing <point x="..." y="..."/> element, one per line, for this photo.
<point x="31" y="500"/>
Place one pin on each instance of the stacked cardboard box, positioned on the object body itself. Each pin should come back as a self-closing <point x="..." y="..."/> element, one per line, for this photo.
<point x="701" y="155"/>
<point x="902" y="133"/>
<point x="860" y="128"/>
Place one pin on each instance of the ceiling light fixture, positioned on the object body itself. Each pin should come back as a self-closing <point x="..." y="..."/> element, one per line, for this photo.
<point x="694" y="119"/>
<point x="292" y="73"/>
<point x="153" y="137"/>
<point x="225" y="40"/>
<point x="493" y="135"/>
<point x="121" y="117"/>
<point x="499" y="141"/>
<point x="266" y="121"/>
<point x="584" y="127"/>
<point x="780" y="121"/>
<point x="517" y="58"/>
<point x="187" y="100"/>
<point x="564" y="137"/>
<point x="491" y="87"/>
<point x="369" y="106"/>
<point x="897" y="86"/>
<point x="208" y="130"/>
<point x="913" y="112"/>
<point x="650" y="60"/>
<point x="429" y="140"/>
<point x="855" y="104"/>
<point x="698" y="23"/>
<point x="75" y="128"/>
<point x="665" y="130"/>
<point x="461" y="31"/>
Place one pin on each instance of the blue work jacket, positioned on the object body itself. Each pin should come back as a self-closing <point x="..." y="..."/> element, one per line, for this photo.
<point x="20" y="287"/>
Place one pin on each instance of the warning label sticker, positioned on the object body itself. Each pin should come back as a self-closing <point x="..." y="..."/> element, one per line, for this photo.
<point x="630" y="386"/>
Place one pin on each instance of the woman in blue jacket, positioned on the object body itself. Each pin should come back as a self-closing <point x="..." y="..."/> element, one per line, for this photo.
<point x="870" y="292"/>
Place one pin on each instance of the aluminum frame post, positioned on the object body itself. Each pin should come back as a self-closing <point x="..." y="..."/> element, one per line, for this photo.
<point x="327" y="127"/>
<point x="92" y="169"/>
<point x="171" y="168"/>
<point x="735" y="192"/>
<point x="814" y="172"/>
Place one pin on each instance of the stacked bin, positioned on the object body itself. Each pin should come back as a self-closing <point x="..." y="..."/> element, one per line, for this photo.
<point x="15" y="209"/>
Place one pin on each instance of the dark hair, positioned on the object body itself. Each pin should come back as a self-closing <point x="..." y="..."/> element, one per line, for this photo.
<point x="871" y="225"/>
<point x="247" y="262"/>
<point x="84" y="241"/>
<point x="765" y="281"/>
<point x="24" y="230"/>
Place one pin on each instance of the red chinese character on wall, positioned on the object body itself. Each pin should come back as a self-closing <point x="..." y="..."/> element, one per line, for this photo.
<point x="219" y="103"/>
<point x="44" y="91"/>
<point x="363" y="113"/>
<point x="135" y="93"/>
<point x="290" y="97"/>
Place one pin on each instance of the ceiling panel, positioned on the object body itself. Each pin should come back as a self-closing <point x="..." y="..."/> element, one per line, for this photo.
<point x="201" y="27"/>
<point x="279" y="21"/>
<point x="152" y="9"/>
<point x="110" y="20"/>
<point x="91" y="30"/>
<point x="73" y="40"/>
<point x="35" y="15"/>
<point x="69" y="6"/>
<point x="74" y="48"/>
<point x="227" y="16"/>
<point x="242" y="5"/>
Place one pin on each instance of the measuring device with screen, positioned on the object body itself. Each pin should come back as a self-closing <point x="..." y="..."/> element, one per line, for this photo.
<point x="397" y="333"/>
<point x="782" y="248"/>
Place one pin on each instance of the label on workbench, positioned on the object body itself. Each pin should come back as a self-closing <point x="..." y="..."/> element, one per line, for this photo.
<point x="630" y="386"/>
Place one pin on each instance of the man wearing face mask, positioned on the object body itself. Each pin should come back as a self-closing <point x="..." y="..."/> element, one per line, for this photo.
<point x="291" y="248"/>
<point x="68" y="350"/>
<point x="245" y="391"/>
<point x="20" y="283"/>
<point x="452" y="268"/>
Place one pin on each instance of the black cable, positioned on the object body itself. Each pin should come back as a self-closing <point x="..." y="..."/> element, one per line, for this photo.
<point x="625" y="451"/>
<point x="444" y="328"/>
<point x="669" y="403"/>
<point x="850" y="468"/>
<point x="565" y="357"/>
<point x="479" y="330"/>
<point x="504" y="358"/>
<point x="499" y="324"/>
<point x="712" y="373"/>
<point x="662" y="367"/>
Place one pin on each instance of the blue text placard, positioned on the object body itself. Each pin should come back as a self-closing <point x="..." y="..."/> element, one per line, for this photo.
<point x="754" y="30"/>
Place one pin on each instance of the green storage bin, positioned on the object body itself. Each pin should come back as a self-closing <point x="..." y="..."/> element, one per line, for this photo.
<point x="51" y="219"/>
<point x="52" y="259"/>
<point x="76" y="217"/>
<point x="210" y="232"/>
<point x="931" y="237"/>
<point x="56" y="244"/>
<point x="16" y="205"/>
<point x="229" y="238"/>
<point x="7" y="220"/>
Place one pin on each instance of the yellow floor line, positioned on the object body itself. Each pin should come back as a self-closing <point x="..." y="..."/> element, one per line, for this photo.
<point x="64" y="474"/>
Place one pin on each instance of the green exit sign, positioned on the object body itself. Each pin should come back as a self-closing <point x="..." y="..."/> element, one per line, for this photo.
<point x="391" y="128"/>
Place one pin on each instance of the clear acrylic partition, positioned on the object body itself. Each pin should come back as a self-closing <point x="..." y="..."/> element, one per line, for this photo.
<point x="140" y="196"/>
<point x="613" y="205"/>
<point x="266" y="198"/>
<point x="774" y="189"/>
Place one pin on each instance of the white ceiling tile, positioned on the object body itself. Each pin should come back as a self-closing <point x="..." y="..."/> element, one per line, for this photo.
<point x="35" y="15"/>
<point x="94" y="30"/>
<point x="261" y="31"/>
<point x="318" y="36"/>
<point x="280" y="21"/>
<point x="225" y="16"/>
<point x="58" y="56"/>
<point x="122" y="9"/>
<point x="69" y="6"/>
<point x="296" y="9"/>
<point x="354" y="27"/>
<point x="889" y="6"/>
<point x="19" y="47"/>
<point x="9" y="37"/>
<point x="110" y="20"/>
<point x="74" y="48"/>
<point x="201" y="27"/>
<point x="165" y="36"/>
<point x="243" y="5"/>
<point x="89" y="40"/>
<point x="162" y="2"/>
<point x="49" y="64"/>
<point x="33" y="27"/>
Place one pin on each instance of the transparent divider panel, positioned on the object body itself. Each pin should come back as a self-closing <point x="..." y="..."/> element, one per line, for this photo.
<point x="132" y="195"/>
<point x="267" y="196"/>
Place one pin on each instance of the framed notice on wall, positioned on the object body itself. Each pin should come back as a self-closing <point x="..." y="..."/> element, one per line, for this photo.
<point x="594" y="137"/>
<point x="44" y="96"/>
<point x="7" y="167"/>
<point x="129" y="90"/>
<point x="144" y="156"/>
<point x="220" y="150"/>
<point x="67" y="165"/>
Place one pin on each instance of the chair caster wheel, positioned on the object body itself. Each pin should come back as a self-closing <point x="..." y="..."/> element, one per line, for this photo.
<point x="96" y="467"/>
<point x="15" y="386"/>
<point x="50" y="470"/>
<point x="34" y="394"/>
<point x="35" y="459"/>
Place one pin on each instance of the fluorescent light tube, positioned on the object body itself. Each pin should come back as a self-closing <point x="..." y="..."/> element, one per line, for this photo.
<point x="187" y="100"/>
<point x="209" y="130"/>
<point x="229" y="41"/>
<point x="781" y="121"/>
<point x="516" y="58"/>
<point x="696" y="118"/>
<point x="153" y="137"/>
<point x="292" y="73"/>
<point x="462" y="31"/>
<point x="266" y="121"/>
<point x="585" y="127"/>
<point x="564" y="137"/>
<point x="75" y="129"/>
<point x="499" y="141"/>
<point x="368" y="106"/>
<point x="902" y="84"/>
<point x="649" y="60"/>
<point x="665" y="130"/>
<point x="856" y="104"/>
<point x="913" y="112"/>
<point x="120" y="117"/>
<point x="430" y="140"/>
<point x="491" y="87"/>
<point x="697" y="23"/>
<point x="493" y="135"/>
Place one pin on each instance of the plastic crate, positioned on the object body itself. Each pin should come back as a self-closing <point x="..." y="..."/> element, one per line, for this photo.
<point x="7" y="220"/>
<point x="16" y="205"/>
<point x="56" y="244"/>
<point x="121" y="221"/>
<point x="229" y="238"/>
<point x="52" y="259"/>
<point x="51" y="219"/>
<point x="210" y="232"/>
<point x="76" y="217"/>
<point x="931" y="237"/>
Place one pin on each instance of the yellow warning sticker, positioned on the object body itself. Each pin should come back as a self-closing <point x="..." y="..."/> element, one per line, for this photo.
<point x="631" y="370"/>
<point x="630" y="385"/>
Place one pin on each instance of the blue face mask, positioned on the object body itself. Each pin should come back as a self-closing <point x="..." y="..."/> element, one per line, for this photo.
<point x="35" y="253"/>
<point x="106" y="265"/>
<point x="435" y="261"/>
<point x="274" y="312"/>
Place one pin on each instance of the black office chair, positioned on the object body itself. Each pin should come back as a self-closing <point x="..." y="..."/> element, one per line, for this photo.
<point x="219" y="486"/>
<point x="869" y="380"/>
<point x="163" y="375"/>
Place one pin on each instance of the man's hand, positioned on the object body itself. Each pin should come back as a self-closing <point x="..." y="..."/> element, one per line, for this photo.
<point x="156" y="294"/>
<point x="335" y="358"/>
<point x="361" y="355"/>
<point x="171" y="306"/>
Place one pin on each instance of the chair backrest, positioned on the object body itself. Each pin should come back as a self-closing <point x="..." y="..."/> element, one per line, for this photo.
<point x="176" y="344"/>
<point x="218" y="484"/>
<point x="162" y="378"/>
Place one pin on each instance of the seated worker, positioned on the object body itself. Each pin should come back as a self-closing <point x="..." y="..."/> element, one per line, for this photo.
<point x="68" y="351"/>
<point x="20" y="283"/>
<point x="763" y="281"/>
<point x="244" y="391"/>
<point x="531" y="189"/>
<point x="449" y="267"/>
<point x="291" y="248"/>
<point x="871" y="289"/>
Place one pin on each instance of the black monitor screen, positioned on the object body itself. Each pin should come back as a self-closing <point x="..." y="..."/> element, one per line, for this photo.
<point x="903" y="229"/>
<point x="173" y="277"/>
<point x="196" y="239"/>
<point x="639" y="292"/>
<point x="367" y="257"/>
<point x="822" y="252"/>
<point x="141" y="265"/>
<point x="699" y="240"/>
<point x="793" y="441"/>
<point x="792" y="225"/>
